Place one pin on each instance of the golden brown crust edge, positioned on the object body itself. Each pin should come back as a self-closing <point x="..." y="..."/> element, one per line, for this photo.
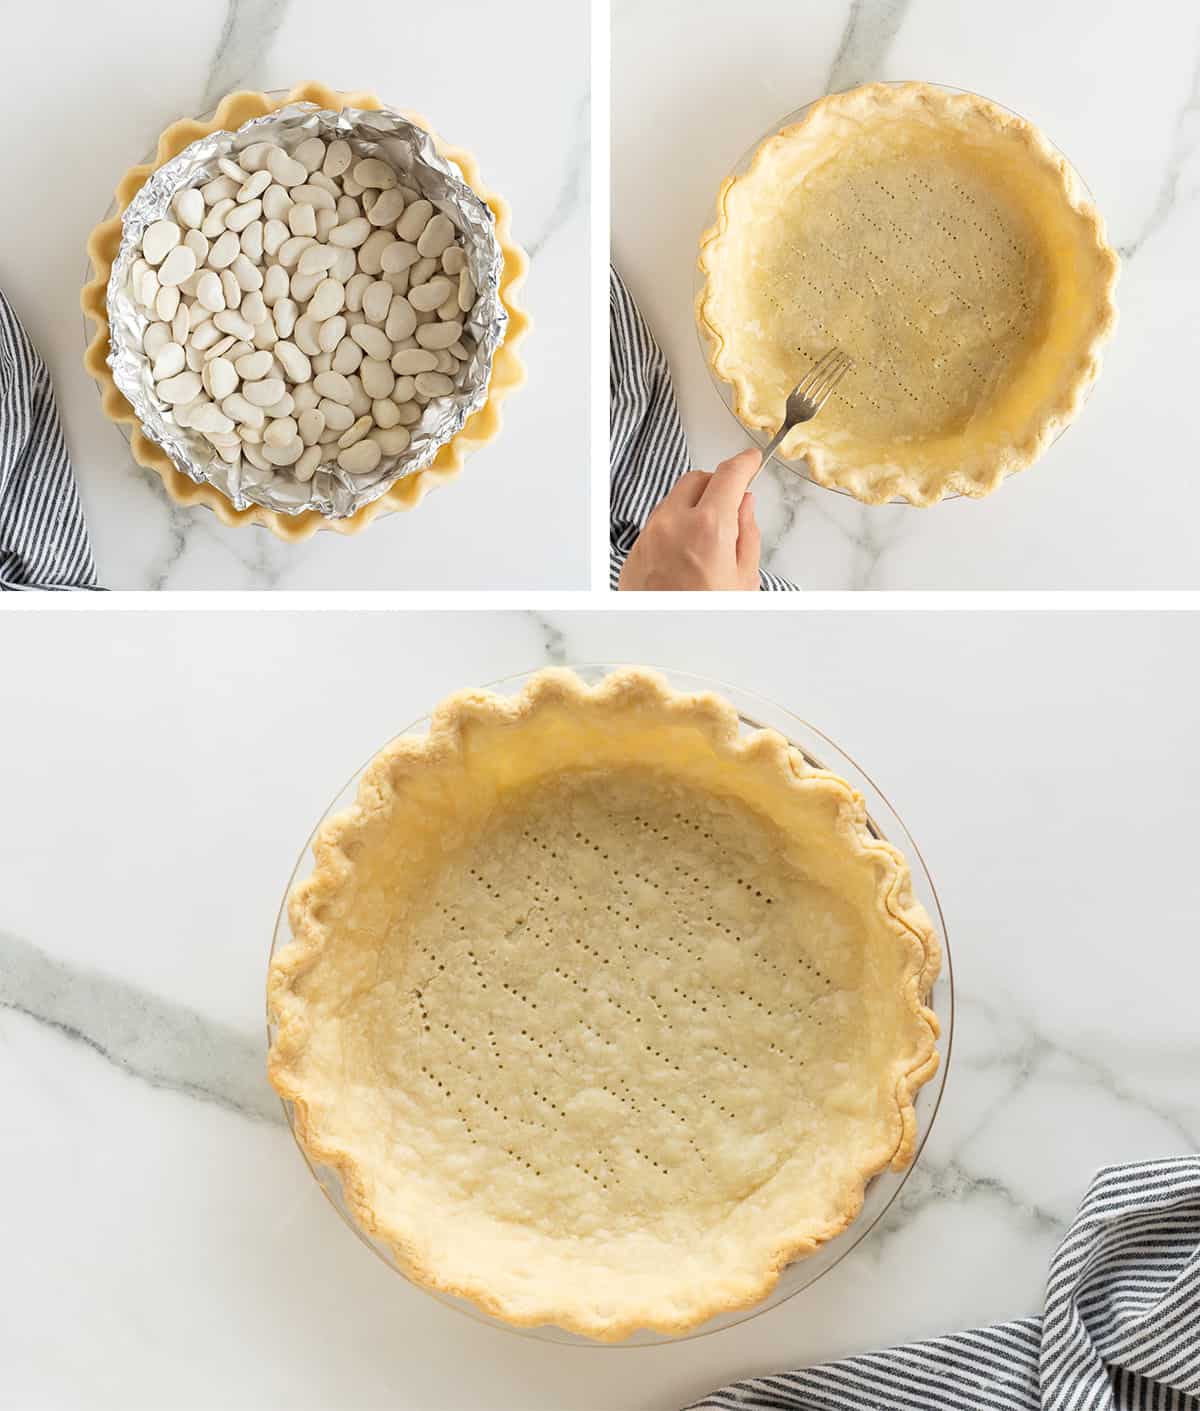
<point x="889" y="486"/>
<point x="508" y="371"/>
<point x="717" y="718"/>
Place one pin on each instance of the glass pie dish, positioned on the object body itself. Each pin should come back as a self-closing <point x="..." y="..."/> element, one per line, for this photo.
<point x="733" y="392"/>
<point x="754" y="714"/>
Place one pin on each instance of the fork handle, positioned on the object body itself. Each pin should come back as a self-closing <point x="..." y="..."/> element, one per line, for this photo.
<point x="772" y="446"/>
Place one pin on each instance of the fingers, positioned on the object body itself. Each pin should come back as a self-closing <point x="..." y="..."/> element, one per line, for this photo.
<point x="749" y="544"/>
<point x="687" y="489"/>
<point x="730" y="481"/>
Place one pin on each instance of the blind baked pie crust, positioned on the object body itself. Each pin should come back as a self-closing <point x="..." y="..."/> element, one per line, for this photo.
<point x="508" y="371"/>
<point x="944" y="244"/>
<point x="603" y="1011"/>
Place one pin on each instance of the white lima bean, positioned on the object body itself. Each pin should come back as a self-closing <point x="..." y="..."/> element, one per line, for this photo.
<point x="378" y="379"/>
<point x="303" y="286"/>
<point x="252" y="366"/>
<point x="411" y="225"/>
<point x="265" y="393"/>
<point x="347" y="357"/>
<point x="360" y="403"/>
<point x="159" y="240"/>
<point x="169" y="362"/>
<point x="331" y="333"/>
<point x="355" y="433"/>
<point x="220" y="379"/>
<point x="377" y="301"/>
<point x="337" y="417"/>
<point x="225" y="249"/>
<point x="306" y="467"/>
<point x="295" y="364"/>
<point x="304" y="306"/>
<point x="351" y="233"/>
<point x="305" y="336"/>
<point x="177" y="266"/>
<point x="427" y="297"/>
<point x="361" y="458"/>
<point x="188" y="208"/>
<point x="373" y="341"/>
<point x="393" y="440"/>
<point x="231" y="290"/>
<point x="370" y="252"/>
<point x="254" y="308"/>
<point x="344" y="266"/>
<point x="183" y="388"/>
<point x="198" y="244"/>
<point x="166" y="305"/>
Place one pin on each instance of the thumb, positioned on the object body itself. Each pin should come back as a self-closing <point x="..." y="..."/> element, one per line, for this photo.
<point x="749" y="544"/>
<point x="731" y="481"/>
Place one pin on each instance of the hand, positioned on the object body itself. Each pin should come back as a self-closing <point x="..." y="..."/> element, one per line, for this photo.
<point x="702" y="537"/>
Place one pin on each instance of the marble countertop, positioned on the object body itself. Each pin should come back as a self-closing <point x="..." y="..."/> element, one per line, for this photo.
<point x="517" y="518"/>
<point x="1115" y="504"/>
<point x="165" y="1245"/>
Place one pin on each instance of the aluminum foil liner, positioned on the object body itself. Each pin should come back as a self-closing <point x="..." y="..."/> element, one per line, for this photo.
<point x="410" y="151"/>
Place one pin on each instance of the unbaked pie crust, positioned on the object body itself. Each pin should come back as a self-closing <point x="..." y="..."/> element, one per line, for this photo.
<point x="944" y="244"/>
<point x="508" y="372"/>
<point x="603" y="1011"/>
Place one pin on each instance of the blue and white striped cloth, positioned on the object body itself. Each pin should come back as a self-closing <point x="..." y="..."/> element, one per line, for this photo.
<point x="1120" y="1330"/>
<point x="43" y="539"/>
<point x="647" y="448"/>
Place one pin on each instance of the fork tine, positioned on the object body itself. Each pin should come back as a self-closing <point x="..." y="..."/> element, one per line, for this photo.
<point x="837" y="375"/>
<point x="823" y="392"/>
<point x="804" y="386"/>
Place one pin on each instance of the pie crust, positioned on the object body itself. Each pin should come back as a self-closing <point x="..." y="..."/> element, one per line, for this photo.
<point x="603" y="1011"/>
<point x="508" y="372"/>
<point x="944" y="244"/>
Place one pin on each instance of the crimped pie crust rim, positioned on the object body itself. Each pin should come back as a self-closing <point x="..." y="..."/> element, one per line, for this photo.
<point x="508" y="371"/>
<point x="719" y="722"/>
<point x="883" y="97"/>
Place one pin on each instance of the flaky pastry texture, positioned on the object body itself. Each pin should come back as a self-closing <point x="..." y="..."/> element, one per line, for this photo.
<point x="944" y="244"/>
<point x="602" y="1010"/>
<point x="508" y="371"/>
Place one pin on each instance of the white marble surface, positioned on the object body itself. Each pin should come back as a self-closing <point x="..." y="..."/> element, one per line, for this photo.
<point x="119" y="74"/>
<point x="164" y="1244"/>
<point x="1116" y="503"/>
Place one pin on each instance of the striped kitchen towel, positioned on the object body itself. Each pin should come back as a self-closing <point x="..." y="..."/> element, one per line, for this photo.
<point x="1120" y="1330"/>
<point x="647" y="448"/>
<point x="43" y="539"/>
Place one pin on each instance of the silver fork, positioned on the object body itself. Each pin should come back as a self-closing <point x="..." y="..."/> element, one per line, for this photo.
<point x="808" y="397"/>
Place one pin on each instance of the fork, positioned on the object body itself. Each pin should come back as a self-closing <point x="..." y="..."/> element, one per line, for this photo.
<point x="808" y="397"/>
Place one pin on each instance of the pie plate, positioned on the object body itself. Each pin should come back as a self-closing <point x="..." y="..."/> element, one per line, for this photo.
<point x="883" y="822"/>
<point x="233" y="113"/>
<point x="948" y="326"/>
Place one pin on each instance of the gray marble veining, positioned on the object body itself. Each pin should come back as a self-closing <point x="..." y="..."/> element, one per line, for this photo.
<point x="554" y="640"/>
<point x="180" y="524"/>
<point x="937" y="1183"/>
<point x="871" y="26"/>
<point x="1011" y="1043"/>
<point x="575" y="184"/>
<point x="247" y="34"/>
<point x="1174" y="187"/>
<point x="869" y="530"/>
<point x="148" y="1038"/>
